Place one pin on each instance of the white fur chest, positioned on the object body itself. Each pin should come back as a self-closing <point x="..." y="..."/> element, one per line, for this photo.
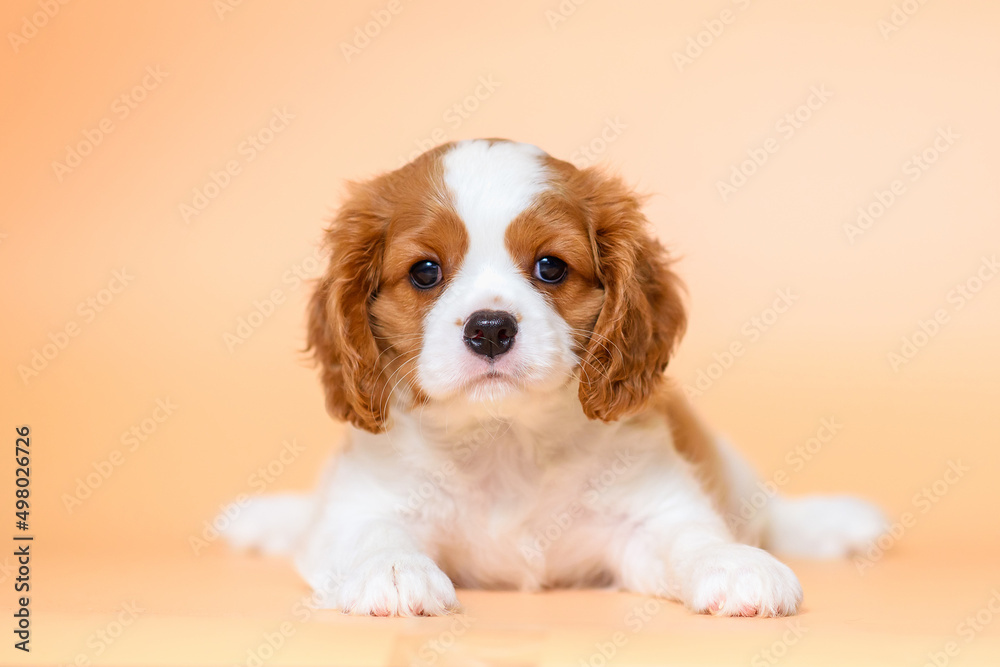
<point x="525" y="504"/>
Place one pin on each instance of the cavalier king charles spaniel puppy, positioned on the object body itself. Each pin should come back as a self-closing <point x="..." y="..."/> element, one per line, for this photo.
<point x="494" y="324"/>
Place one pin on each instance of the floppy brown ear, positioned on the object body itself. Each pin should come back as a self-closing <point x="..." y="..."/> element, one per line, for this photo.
<point x="643" y="315"/>
<point x="340" y="335"/>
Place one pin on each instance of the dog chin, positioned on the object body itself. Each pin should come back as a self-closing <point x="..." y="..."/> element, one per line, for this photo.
<point x="491" y="386"/>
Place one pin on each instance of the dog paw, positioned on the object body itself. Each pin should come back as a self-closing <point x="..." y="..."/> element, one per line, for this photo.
<point x="272" y="524"/>
<point x="739" y="580"/>
<point x="823" y="526"/>
<point x="397" y="584"/>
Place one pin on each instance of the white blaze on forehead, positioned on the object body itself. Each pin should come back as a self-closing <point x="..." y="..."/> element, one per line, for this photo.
<point x="490" y="185"/>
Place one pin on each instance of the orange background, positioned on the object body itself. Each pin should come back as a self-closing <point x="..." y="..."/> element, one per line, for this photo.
<point x="559" y="81"/>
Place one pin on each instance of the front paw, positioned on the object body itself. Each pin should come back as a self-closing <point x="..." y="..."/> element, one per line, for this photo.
<point x="739" y="580"/>
<point x="397" y="584"/>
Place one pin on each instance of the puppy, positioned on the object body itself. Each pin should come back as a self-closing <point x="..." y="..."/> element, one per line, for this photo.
<point x="495" y="324"/>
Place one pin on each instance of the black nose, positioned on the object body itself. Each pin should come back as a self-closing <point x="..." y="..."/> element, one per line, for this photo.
<point x="490" y="332"/>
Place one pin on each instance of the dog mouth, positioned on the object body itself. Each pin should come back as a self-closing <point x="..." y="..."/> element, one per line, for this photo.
<point x="493" y="376"/>
<point x="491" y="380"/>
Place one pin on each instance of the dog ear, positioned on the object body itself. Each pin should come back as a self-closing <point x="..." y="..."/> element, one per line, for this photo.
<point x="643" y="315"/>
<point x="339" y="334"/>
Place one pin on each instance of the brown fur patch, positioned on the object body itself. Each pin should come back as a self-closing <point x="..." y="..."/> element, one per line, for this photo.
<point x="556" y="226"/>
<point x="633" y="329"/>
<point x="693" y="440"/>
<point x="365" y="323"/>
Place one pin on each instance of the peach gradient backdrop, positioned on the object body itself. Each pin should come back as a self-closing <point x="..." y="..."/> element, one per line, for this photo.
<point x="609" y="68"/>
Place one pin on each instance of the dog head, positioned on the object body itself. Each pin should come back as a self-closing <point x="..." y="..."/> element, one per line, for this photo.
<point x="484" y="269"/>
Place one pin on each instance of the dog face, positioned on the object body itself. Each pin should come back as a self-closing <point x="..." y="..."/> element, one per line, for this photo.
<point x="484" y="269"/>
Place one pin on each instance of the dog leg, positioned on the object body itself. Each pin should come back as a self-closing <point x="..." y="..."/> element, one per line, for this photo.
<point x="680" y="548"/>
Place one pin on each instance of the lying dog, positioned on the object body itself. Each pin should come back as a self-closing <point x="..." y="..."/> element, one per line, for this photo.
<point x="495" y="323"/>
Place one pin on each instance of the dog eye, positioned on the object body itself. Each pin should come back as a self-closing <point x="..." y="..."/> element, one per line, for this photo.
<point x="425" y="274"/>
<point x="550" y="269"/>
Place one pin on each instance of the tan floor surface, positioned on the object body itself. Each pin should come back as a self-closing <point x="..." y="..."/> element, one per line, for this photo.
<point x="227" y="609"/>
